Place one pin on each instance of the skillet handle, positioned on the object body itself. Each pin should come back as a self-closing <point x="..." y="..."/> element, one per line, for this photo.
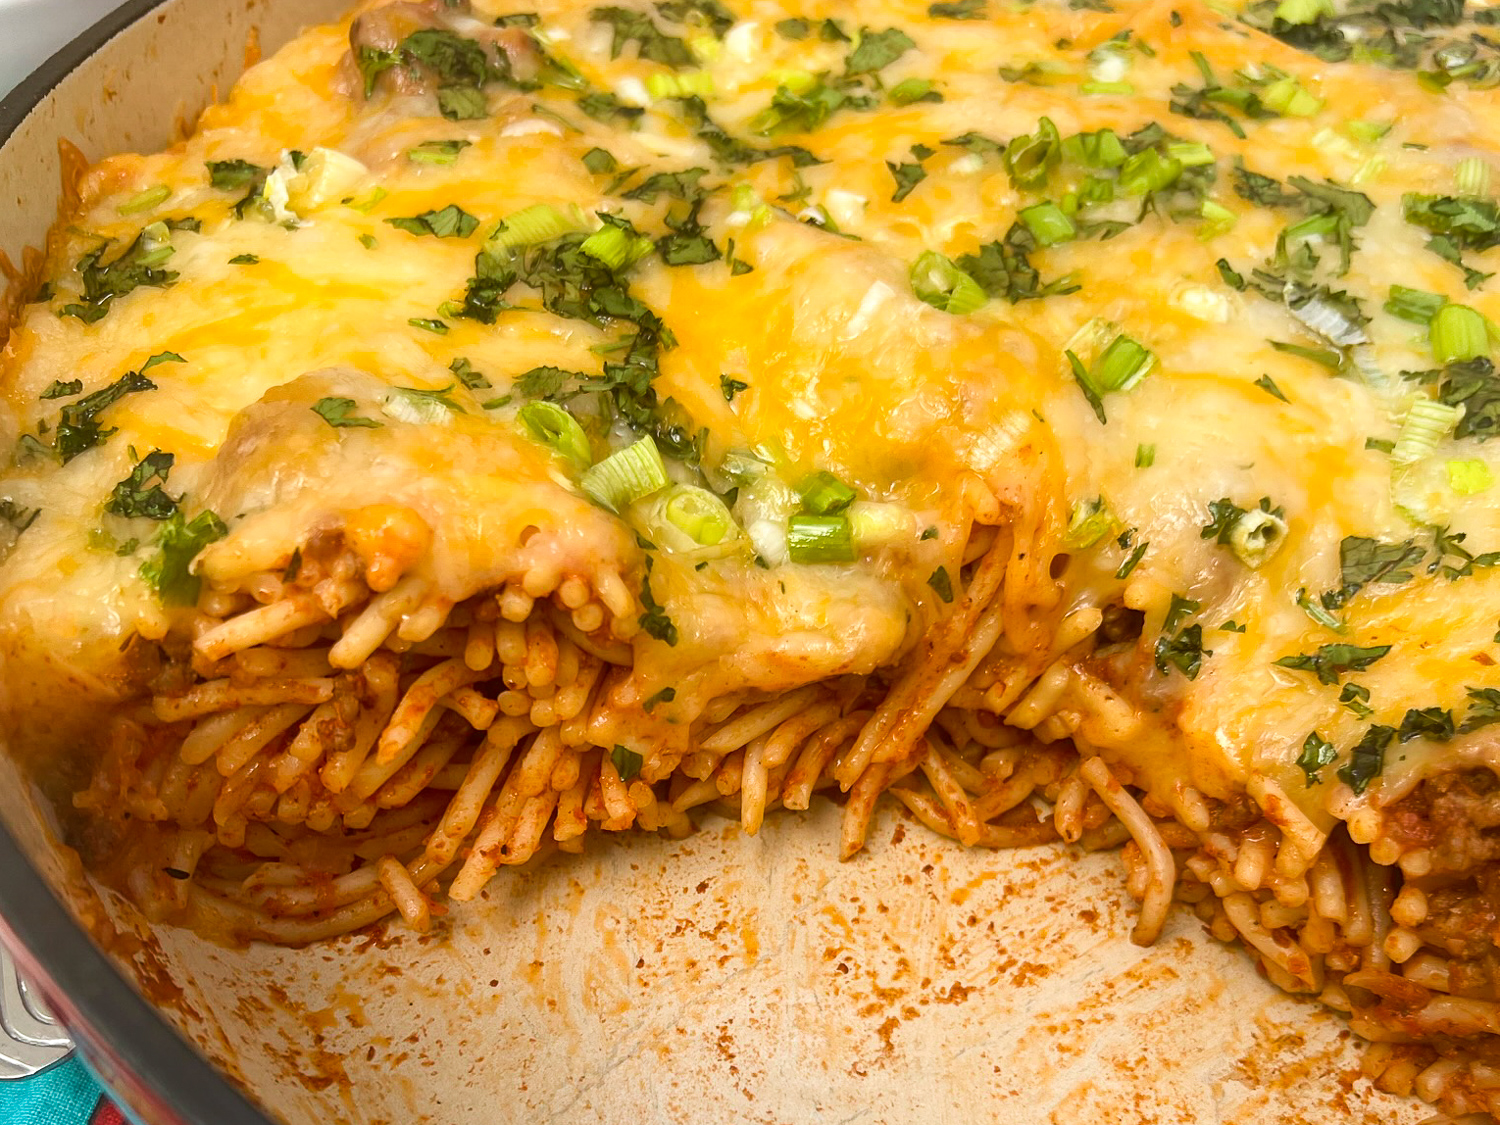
<point x="32" y="1039"/>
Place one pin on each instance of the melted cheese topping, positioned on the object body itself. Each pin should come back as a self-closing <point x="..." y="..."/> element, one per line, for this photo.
<point x="843" y="368"/>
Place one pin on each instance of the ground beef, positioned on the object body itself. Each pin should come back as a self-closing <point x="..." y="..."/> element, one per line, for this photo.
<point x="1455" y="815"/>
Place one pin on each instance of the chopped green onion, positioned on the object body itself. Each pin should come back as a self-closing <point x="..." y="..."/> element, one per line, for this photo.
<point x="1256" y="535"/>
<point x="819" y="539"/>
<point x="1031" y="157"/>
<point x="1472" y="176"/>
<point x="1367" y="131"/>
<point x="913" y="90"/>
<point x="1468" y="478"/>
<point x="1047" y="223"/>
<point x="541" y="222"/>
<point x="694" y="83"/>
<point x="1103" y="149"/>
<point x="1147" y="171"/>
<point x="1369" y="170"/>
<point x="698" y="514"/>
<point x="1287" y="97"/>
<point x="436" y="152"/>
<point x="626" y="476"/>
<point x="873" y="524"/>
<point x="145" y="201"/>
<point x="1415" y="305"/>
<point x="1303" y="11"/>
<point x="1190" y="154"/>
<point x="367" y="204"/>
<point x="555" y="428"/>
<point x="1123" y="364"/>
<point x="615" y="247"/>
<point x="941" y="284"/>
<point x="1217" y="219"/>
<point x="824" y="494"/>
<point x="1457" y="333"/>
<point x="1145" y="456"/>
<point x="1096" y="88"/>
<point x="1427" y="423"/>
<point x="1089" y="522"/>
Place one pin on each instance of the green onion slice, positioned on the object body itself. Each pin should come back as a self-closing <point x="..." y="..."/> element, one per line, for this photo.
<point x="1472" y="176"/>
<point x="1427" y="423"/>
<point x="615" y="247"/>
<point x="1123" y="364"/>
<point x="1255" y="536"/>
<point x="824" y="494"/>
<point x="698" y="514"/>
<point x="626" y="476"/>
<point x="555" y="428"/>
<point x="819" y="539"/>
<point x="541" y="222"/>
<point x="1457" y="333"/>
<point x="941" y="284"/>
<point x="1047" y="223"/>
<point x="1089" y="522"/>
<point x="145" y="201"/>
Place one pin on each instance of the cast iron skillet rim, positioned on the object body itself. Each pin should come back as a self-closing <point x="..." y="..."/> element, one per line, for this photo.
<point x="111" y="1009"/>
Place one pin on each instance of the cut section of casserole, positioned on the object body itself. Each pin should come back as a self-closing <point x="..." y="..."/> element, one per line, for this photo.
<point x="491" y="427"/>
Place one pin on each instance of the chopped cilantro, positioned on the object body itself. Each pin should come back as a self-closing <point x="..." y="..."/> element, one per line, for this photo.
<point x="451" y="221"/>
<point x="651" y="42"/>
<point x="339" y="413"/>
<point x="232" y="175"/>
<point x="1484" y="709"/>
<point x="169" y="571"/>
<point x="1435" y="724"/>
<point x="1185" y="652"/>
<point x="1317" y="752"/>
<point x="654" y="619"/>
<point x="877" y="50"/>
<point x="941" y="584"/>
<point x="60" y="389"/>
<point x="958" y="10"/>
<point x="137" y="265"/>
<point x="1365" y="561"/>
<point x="627" y="762"/>
<point x="78" y="427"/>
<point x="141" y="493"/>
<point x="1367" y="760"/>
<point x="1267" y="384"/>
<point x="1332" y="661"/>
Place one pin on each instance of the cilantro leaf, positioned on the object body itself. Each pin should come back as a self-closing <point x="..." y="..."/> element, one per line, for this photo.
<point x="1332" y="661"/>
<point x="339" y="413"/>
<point x="627" y="762"/>
<point x="1367" y="760"/>
<point x="941" y="584"/>
<point x="1432" y="723"/>
<point x="1185" y="652"/>
<point x="78" y="427"/>
<point x="169" y="571"/>
<point x="1363" y="562"/>
<point x="137" y="265"/>
<point x="1317" y="752"/>
<point x="907" y="176"/>
<point x="232" y="175"/>
<point x="1484" y="709"/>
<point x="877" y="50"/>
<point x="141" y="493"/>
<point x="652" y="43"/>
<point x="451" y="221"/>
<point x="654" y="620"/>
